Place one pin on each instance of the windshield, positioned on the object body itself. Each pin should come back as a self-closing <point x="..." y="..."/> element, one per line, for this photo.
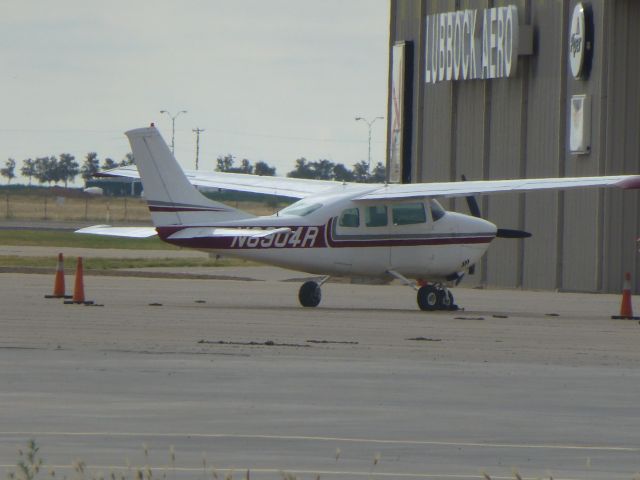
<point x="437" y="212"/>
<point x="300" y="209"/>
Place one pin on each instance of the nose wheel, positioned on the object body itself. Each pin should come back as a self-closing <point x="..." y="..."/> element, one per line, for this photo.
<point x="434" y="297"/>
<point x="310" y="292"/>
<point x="431" y="296"/>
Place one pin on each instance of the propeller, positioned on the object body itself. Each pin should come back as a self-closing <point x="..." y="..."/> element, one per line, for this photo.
<point x="510" y="233"/>
<point x="474" y="209"/>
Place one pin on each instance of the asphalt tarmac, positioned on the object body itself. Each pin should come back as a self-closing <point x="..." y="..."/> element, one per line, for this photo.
<point x="235" y="375"/>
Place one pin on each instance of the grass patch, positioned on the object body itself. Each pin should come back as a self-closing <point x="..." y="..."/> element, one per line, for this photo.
<point x="45" y="238"/>
<point x="97" y="263"/>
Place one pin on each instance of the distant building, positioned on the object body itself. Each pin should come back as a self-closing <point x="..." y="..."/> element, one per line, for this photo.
<point x="526" y="89"/>
<point x="117" y="186"/>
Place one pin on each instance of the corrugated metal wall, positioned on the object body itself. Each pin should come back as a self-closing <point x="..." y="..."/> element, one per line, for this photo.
<point x="517" y="127"/>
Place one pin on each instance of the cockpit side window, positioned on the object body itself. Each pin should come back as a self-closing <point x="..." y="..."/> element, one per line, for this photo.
<point x="408" y="214"/>
<point x="375" y="216"/>
<point x="349" y="218"/>
<point x="437" y="212"/>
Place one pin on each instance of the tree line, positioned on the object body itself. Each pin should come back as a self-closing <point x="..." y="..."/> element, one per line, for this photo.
<point x="317" y="170"/>
<point x="65" y="169"/>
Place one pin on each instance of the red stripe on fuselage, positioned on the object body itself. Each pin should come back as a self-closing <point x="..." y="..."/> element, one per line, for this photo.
<point x="320" y="236"/>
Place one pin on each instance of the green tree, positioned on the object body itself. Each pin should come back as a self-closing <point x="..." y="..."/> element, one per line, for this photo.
<point x="45" y="169"/>
<point x="323" y="169"/>
<point x="39" y="169"/>
<point x="28" y="169"/>
<point x="108" y="164"/>
<point x="319" y="170"/>
<point x="361" y="172"/>
<point x="127" y="160"/>
<point x="224" y="164"/>
<point x="67" y="168"/>
<point x="263" y="169"/>
<point x="342" y="174"/>
<point x="9" y="170"/>
<point x="302" y="170"/>
<point x="379" y="173"/>
<point x="55" y="172"/>
<point x="246" y="166"/>
<point x="90" y="167"/>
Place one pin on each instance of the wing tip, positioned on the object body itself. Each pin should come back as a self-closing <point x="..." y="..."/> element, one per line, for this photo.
<point x="628" y="183"/>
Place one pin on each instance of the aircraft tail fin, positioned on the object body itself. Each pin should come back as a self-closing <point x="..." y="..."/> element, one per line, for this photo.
<point x="170" y="196"/>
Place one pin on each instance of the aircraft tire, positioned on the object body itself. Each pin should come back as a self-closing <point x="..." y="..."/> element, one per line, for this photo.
<point x="428" y="298"/>
<point x="446" y="300"/>
<point x="310" y="294"/>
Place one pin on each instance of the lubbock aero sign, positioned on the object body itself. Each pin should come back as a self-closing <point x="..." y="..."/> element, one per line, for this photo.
<point x="471" y="44"/>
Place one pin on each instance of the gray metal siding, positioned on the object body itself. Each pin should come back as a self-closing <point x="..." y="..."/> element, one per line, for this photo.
<point x="623" y="149"/>
<point x="583" y="209"/>
<point x="518" y="127"/>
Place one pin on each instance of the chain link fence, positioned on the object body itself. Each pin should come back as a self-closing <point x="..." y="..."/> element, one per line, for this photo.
<point x="62" y="208"/>
<point x="102" y="209"/>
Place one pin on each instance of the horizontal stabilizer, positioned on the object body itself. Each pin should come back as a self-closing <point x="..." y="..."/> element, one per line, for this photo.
<point x="205" y="232"/>
<point x="130" y="232"/>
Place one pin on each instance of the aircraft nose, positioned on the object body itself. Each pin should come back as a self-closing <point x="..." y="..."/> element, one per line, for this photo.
<point x="486" y="227"/>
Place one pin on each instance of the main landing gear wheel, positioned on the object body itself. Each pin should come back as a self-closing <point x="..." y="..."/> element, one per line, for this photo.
<point x="432" y="298"/>
<point x="310" y="294"/>
<point x="446" y="300"/>
<point x="428" y="298"/>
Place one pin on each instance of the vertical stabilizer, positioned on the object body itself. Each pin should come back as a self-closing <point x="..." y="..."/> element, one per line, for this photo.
<point x="172" y="200"/>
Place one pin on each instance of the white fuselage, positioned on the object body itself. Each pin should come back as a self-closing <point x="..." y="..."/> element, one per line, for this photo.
<point x="334" y="235"/>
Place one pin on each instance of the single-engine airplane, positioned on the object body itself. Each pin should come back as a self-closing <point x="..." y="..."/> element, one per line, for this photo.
<point x="369" y="231"/>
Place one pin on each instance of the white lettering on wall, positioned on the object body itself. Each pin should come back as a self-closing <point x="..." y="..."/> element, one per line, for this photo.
<point x="463" y="46"/>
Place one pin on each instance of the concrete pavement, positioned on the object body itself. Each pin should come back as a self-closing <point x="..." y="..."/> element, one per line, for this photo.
<point x="538" y="381"/>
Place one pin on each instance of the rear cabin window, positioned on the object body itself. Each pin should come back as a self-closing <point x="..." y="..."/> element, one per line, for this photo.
<point x="350" y="218"/>
<point x="375" y="216"/>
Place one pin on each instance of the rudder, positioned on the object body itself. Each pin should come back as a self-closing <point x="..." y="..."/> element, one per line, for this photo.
<point x="171" y="198"/>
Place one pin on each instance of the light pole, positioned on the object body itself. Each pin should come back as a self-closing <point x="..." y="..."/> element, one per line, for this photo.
<point x="369" y="123"/>
<point x="173" y="127"/>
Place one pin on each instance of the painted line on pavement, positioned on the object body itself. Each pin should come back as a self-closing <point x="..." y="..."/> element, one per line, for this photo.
<point x="607" y="448"/>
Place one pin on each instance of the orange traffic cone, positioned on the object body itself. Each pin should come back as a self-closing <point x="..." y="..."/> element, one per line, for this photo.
<point x="58" y="285"/>
<point x="78" y="290"/>
<point x="626" y="309"/>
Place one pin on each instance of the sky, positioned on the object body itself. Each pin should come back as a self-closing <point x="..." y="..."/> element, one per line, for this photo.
<point x="267" y="80"/>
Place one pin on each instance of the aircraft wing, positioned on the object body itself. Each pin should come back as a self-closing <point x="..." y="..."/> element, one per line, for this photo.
<point x="191" y="232"/>
<point x="129" y="232"/>
<point x="207" y="232"/>
<point x="480" y="187"/>
<point x="282" y="186"/>
<point x="300" y="188"/>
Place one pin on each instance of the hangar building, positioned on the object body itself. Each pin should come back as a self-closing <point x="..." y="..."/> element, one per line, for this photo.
<point x="525" y="88"/>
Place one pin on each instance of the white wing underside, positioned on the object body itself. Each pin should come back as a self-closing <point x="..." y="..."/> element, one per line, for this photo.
<point x="208" y="232"/>
<point x="301" y="188"/>
<point x="191" y="232"/>
<point x="129" y="232"/>
<point x="480" y="187"/>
